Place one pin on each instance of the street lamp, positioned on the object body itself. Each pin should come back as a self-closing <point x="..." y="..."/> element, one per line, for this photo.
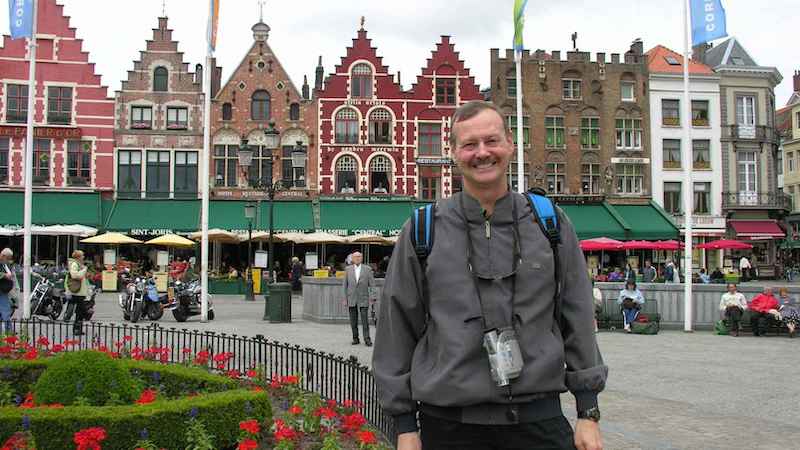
<point x="299" y="162"/>
<point x="250" y="214"/>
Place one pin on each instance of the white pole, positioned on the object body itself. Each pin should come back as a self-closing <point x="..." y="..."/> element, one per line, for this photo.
<point x="26" y="252"/>
<point x="205" y="161"/>
<point x="520" y="164"/>
<point x="688" y="166"/>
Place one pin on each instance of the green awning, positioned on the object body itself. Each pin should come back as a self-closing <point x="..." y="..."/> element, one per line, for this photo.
<point x="595" y="220"/>
<point x="287" y="216"/>
<point x="153" y="217"/>
<point x="371" y="217"/>
<point x="52" y="208"/>
<point x="647" y="222"/>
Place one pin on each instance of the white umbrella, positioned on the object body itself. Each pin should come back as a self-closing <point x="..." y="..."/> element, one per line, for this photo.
<point x="369" y="239"/>
<point x="217" y="235"/>
<point x="321" y="237"/>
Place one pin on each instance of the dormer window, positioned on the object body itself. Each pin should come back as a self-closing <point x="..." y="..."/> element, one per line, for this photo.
<point x="160" y="79"/>
<point x="361" y="81"/>
<point x="445" y="91"/>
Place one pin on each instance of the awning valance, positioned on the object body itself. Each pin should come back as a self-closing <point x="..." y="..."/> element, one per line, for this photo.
<point x="364" y="217"/>
<point x="154" y="217"/>
<point x="51" y="208"/>
<point x="757" y="229"/>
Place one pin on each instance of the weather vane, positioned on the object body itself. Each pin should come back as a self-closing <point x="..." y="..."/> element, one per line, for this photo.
<point x="363" y="19"/>
<point x="163" y="8"/>
<point x="261" y="10"/>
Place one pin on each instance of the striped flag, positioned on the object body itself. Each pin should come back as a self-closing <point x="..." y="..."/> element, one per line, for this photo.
<point x="519" y="22"/>
<point x="213" y="21"/>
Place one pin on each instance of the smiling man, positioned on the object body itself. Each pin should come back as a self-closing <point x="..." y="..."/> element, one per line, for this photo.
<point x="490" y="272"/>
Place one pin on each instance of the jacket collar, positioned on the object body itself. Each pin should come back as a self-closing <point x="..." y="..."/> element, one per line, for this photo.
<point x="474" y="213"/>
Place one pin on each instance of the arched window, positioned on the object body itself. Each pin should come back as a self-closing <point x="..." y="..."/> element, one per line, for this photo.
<point x="227" y="111"/>
<point x="347" y="126"/>
<point x="380" y="126"/>
<point x="161" y="79"/>
<point x="346" y="169"/>
<point x="380" y="174"/>
<point x="361" y="81"/>
<point x="294" y="111"/>
<point x="259" y="106"/>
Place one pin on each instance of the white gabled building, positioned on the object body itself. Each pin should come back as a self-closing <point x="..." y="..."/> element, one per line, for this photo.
<point x="666" y="98"/>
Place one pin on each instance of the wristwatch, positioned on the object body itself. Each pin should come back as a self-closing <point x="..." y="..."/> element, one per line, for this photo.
<point x="592" y="414"/>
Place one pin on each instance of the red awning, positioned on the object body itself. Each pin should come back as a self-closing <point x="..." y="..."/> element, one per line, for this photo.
<point x="757" y="229"/>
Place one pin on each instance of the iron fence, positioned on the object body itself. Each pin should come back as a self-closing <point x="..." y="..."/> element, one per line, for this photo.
<point x="329" y="375"/>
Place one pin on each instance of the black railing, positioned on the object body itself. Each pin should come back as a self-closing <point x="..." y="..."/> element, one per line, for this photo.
<point x="755" y="133"/>
<point x="329" y="375"/>
<point x="768" y="200"/>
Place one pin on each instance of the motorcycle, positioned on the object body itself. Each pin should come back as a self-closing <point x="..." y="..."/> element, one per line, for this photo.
<point x="153" y="301"/>
<point x="47" y="297"/>
<point x="186" y="301"/>
<point x="131" y="300"/>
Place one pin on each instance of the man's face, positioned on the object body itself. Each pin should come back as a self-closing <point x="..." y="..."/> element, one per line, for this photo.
<point x="483" y="150"/>
<point x="767" y="291"/>
<point x="732" y="288"/>
<point x="357" y="258"/>
<point x="647" y="263"/>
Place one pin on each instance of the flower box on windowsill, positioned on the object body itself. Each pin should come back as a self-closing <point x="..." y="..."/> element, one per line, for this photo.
<point x="77" y="181"/>
<point x="140" y="126"/>
<point x="671" y="121"/>
<point x="672" y="165"/>
<point x="701" y="166"/>
<point x="176" y="126"/>
<point x="700" y="122"/>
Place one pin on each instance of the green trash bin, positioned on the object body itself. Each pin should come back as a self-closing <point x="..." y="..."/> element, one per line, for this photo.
<point x="280" y="303"/>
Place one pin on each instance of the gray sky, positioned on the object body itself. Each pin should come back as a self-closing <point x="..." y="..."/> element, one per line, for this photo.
<point x="406" y="31"/>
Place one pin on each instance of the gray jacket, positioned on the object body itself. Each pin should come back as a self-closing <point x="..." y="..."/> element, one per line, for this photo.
<point x="440" y="361"/>
<point x="357" y="293"/>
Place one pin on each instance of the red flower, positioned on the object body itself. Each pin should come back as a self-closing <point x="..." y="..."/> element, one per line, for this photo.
<point x="28" y="402"/>
<point x="332" y="403"/>
<point x="186" y="350"/>
<point x="295" y="410"/>
<point x="258" y="389"/>
<point x="224" y="356"/>
<point x="353" y="422"/>
<point x="31" y="354"/>
<point x="6" y="349"/>
<point x="251" y="426"/>
<point x="326" y="412"/>
<point x="284" y="432"/>
<point x="57" y="348"/>
<point x="148" y="396"/>
<point x="251" y="373"/>
<point x="164" y="357"/>
<point x="290" y="379"/>
<point x="247" y="444"/>
<point x="233" y="373"/>
<point x="275" y="383"/>
<point x="43" y="341"/>
<point x="71" y="342"/>
<point x="11" y="340"/>
<point x="366" y="437"/>
<point x="89" y="439"/>
<point x="347" y="404"/>
<point x="127" y="338"/>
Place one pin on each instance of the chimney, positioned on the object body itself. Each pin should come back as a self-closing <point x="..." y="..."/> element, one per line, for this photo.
<point x="399" y="80"/>
<point x="162" y="23"/>
<point x="319" y="74"/>
<point x="216" y="78"/>
<point x="198" y="74"/>
<point x="699" y="52"/>
<point x="797" y="80"/>
<point x="305" y="87"/>
<point x="637" y="47"/>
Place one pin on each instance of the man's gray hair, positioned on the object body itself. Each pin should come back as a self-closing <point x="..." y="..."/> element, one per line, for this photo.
<point x="471" y="109"/>
<point x="7" y="253"/>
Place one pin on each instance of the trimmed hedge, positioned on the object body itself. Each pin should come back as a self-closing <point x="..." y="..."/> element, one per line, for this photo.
<point x="92" y="375"/>
<point x="164" y="420"/>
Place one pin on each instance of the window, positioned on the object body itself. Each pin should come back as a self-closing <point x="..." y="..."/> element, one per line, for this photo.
<point x="701" y="154"/>
<point x="260" y="106"/>
<point x="571" y="89"/>
<point x="445" y="91"/>
<point x="554" y="132"/>
<point x="630" y="179"/>
<point x="157" y="173"/>
<point x="347" y="126"/>
<point x="798" y="119"/>
<point x="790" y="162"/>
<point x="629" y="134"/>
<point x="129" y="173"/>
<point x="294" y="111"/>
<point x="226" y="163"/>
<point x="380" y="175"/>
<point x="747" y="174"/>
<point x="186" y="174"/>
<point x="346" y="169"/>
<point x="672" y="61"/>
<point x="702" y="198"/>
<point x="458" y="182"/>
<point x="672" y="198"/>
<point x="260" y="170"/>
<point x="628" y="91"/>
<point x="745" y="111"/>
<point x="511" y="87"/>
<point x="430" y="139"/>
<point x="141" y="117"/>
<point x="41" y="162"/>
<point x="160" y="79"/>
<point x="293" y="174"/>
<point x="590" y="178"/>
<point x="512" y="176"/>
<point x="671" y="113"/>
<point x="79" y="163"/>
<point x="227" y="111"/>
<point x="380" y="127"/>
<point x="590" y="132"/>
<point x="16" y="103"/>
<point x="526" y="129"/>
<point x="361" y="81"/>
<point x="737" y="61"/>
<point x="556" y="178"/>
<point x="4" y="149"/>
<point x="700" y="113"/>
<point x="430" y="179"/>
<point x="177" y="118"/>
<point x="59" y="105"/>
<point x="672" y="153"/>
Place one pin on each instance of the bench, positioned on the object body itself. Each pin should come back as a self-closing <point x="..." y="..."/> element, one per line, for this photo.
<point x="611" y="314"/>
<point x="773" y="326"/>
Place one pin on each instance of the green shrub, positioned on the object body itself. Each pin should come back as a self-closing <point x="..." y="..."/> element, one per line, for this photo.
<point x="175" y="380"/>
<point x="164" y="420"/>
<point x="88" y="374"/>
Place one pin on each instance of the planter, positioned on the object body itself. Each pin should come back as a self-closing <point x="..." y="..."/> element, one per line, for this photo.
<point x="225" y="286"/>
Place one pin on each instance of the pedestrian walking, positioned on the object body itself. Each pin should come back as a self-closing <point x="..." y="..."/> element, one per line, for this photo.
<point x="9" y="290"/>
<point x="358" y="280"/>
<point x="492" y="277"/>
<point x="744" y="268"/>
<point x="78" y="287"/>
<point x="297" y="273"/>
<point x="648" y="273"/>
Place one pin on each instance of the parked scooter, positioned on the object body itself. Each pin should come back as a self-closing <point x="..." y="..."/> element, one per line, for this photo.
<point x="47" y="296"/>
<point x="186" y="302"/>
<point x="154" y="303"/>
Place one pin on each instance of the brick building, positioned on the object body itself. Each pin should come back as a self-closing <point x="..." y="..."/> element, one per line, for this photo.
<point x="377" y="138"/>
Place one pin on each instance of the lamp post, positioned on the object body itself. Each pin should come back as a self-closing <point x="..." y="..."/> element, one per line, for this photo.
<point x="272" y="141"/>
<point x="250" y="214"/>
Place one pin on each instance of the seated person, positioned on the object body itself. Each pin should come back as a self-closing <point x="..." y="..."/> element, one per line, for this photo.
<point x="732" y="306"/>
<point x="763" y="308"/>
<point x="615" y="275"/>
<point x="789" y="311"/>
<point x="717" y="276"/>
<point x="233" y="273"/>
<point x="601" y="277"/>
<point x="704" y="277"/>
<point x="631" y="300"/>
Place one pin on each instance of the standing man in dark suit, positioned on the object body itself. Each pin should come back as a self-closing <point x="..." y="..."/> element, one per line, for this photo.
<point x="357" y="281"/>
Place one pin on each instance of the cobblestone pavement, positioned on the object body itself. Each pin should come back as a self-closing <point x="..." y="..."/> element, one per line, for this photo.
<point x="671" y="391"/>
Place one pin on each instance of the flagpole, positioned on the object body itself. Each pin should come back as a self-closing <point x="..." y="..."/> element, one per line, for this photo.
<point x="27" y="215"/>
<point x="520" y="164"/>
<point x="688" y="166"/>
<point x="205" y="172"/>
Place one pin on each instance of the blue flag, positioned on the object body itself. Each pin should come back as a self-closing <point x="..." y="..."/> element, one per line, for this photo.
<point x="708" y="21"/>
<point x="20" y="18"/>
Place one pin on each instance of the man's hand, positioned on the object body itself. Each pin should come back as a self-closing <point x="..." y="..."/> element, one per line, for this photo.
<point x="587" y="435"/>
<point x="410" y="441"/>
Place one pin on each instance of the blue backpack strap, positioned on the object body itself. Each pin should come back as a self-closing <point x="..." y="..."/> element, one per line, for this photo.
<point x="546" y="216"/>
<point x="422" y="231"/>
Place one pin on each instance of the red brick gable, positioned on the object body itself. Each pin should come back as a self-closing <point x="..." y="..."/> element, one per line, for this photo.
<point x="444" y="61"/>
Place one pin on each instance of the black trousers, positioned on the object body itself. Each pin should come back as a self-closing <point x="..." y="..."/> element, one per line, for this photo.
<point x="733" y="315"/>
<point x="548" y="434"/>
<point x="364" y="321"/>
<point x="760" y="321"/>
<point x="80" y="313"/>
